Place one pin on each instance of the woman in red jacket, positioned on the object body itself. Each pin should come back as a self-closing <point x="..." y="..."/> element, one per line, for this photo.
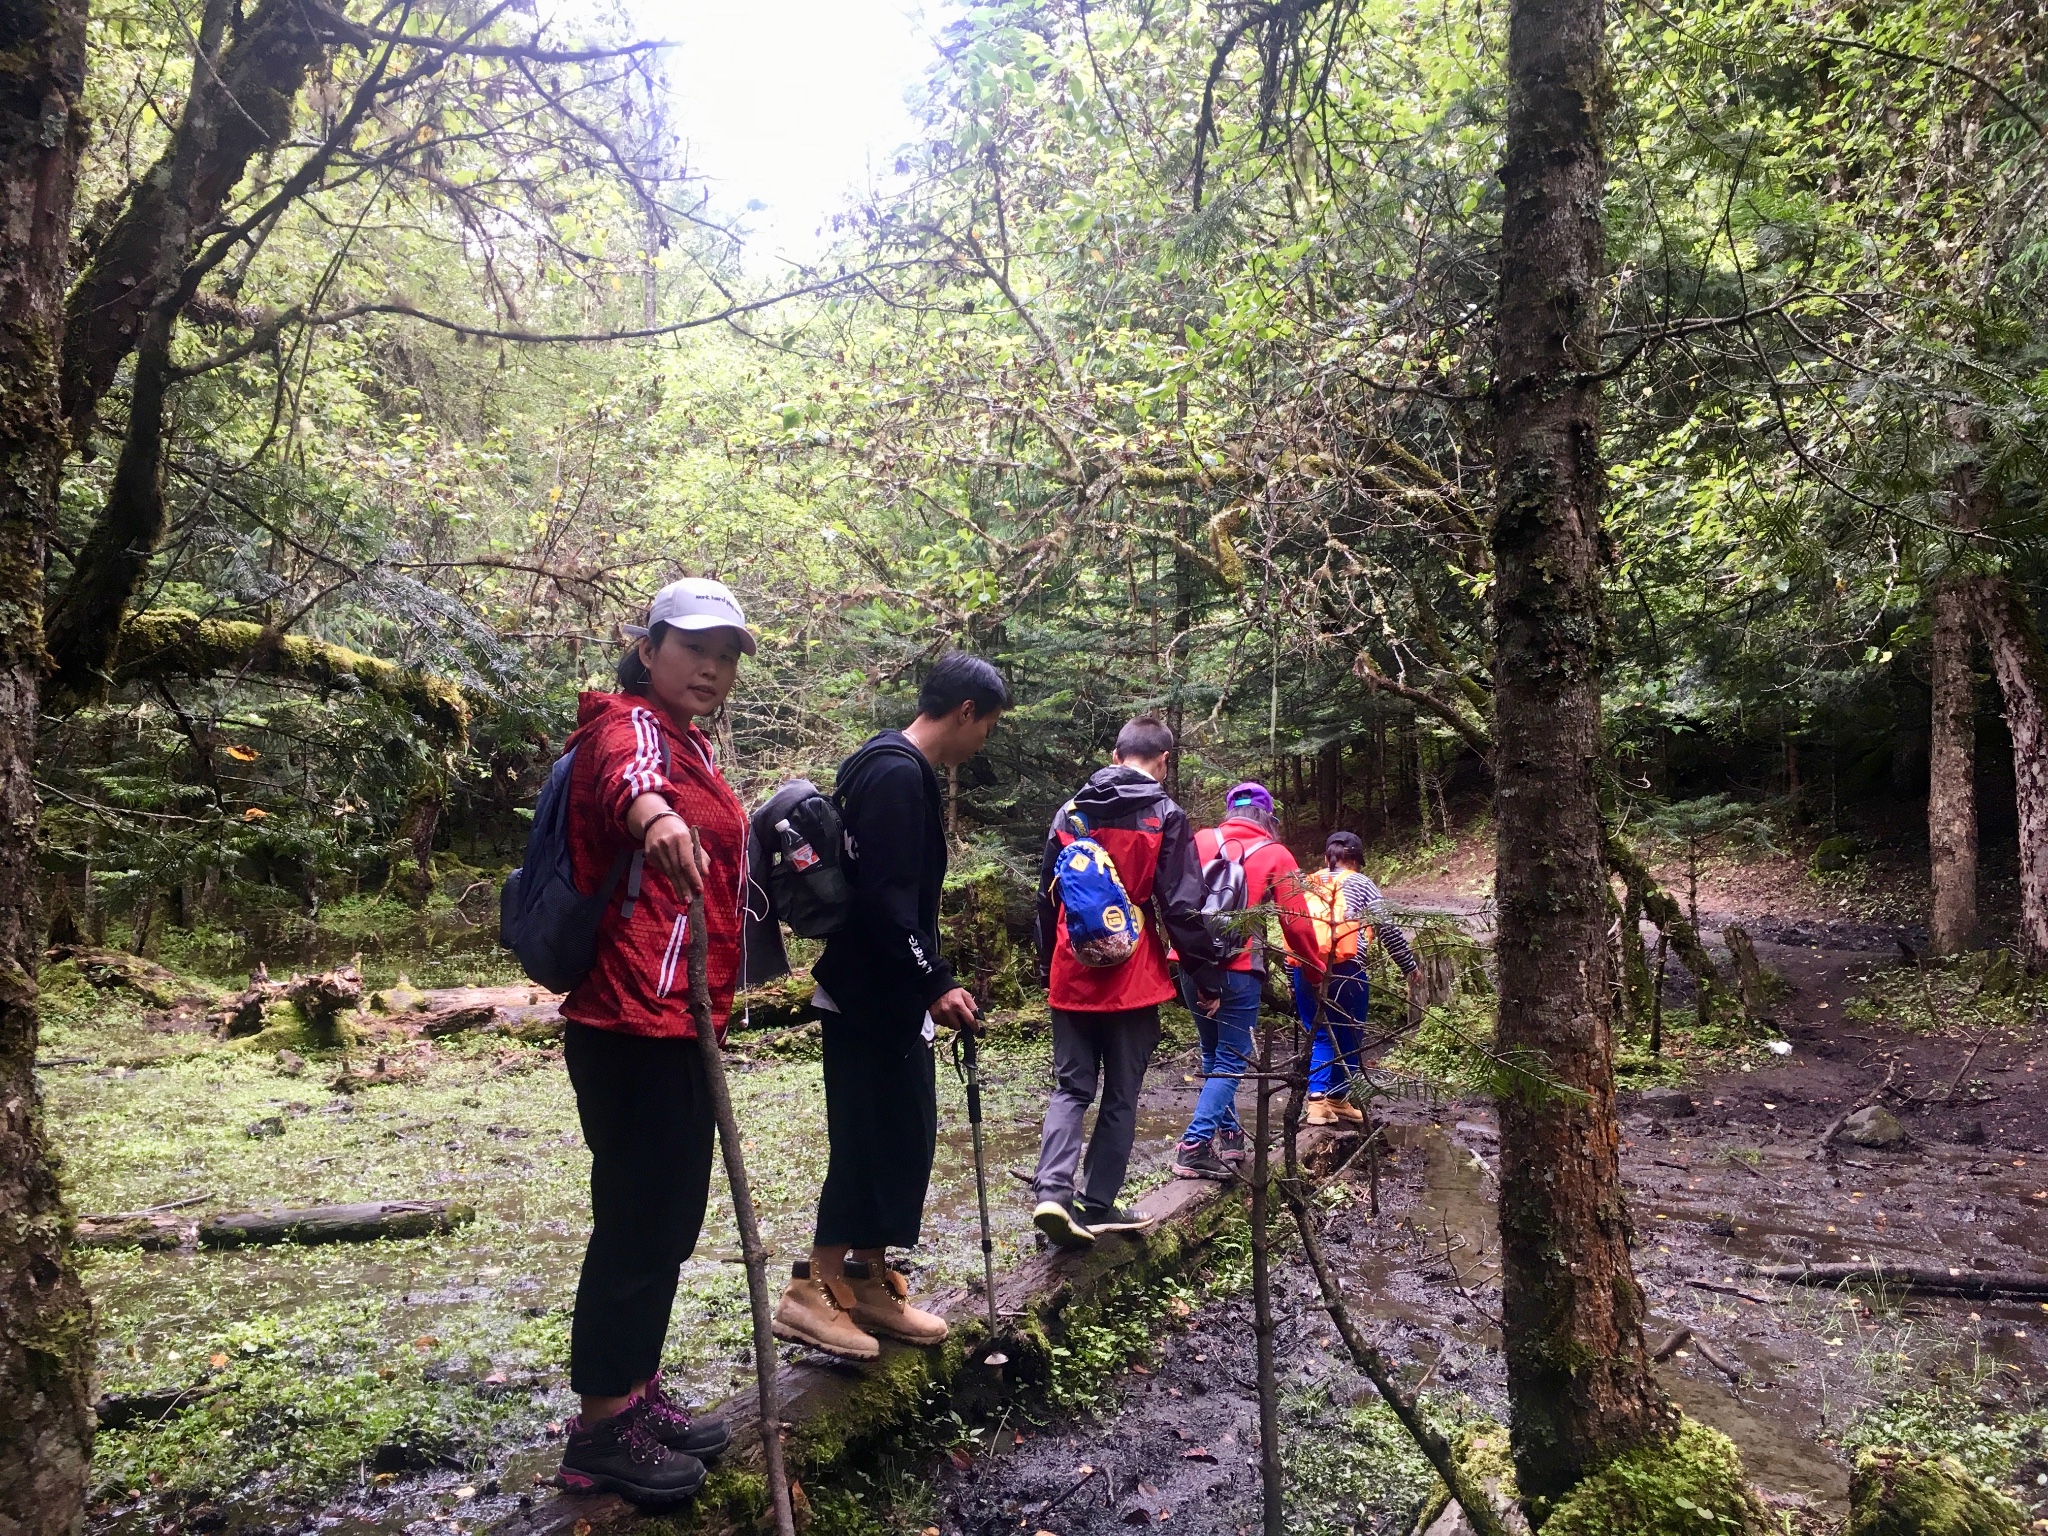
<point x="644" y="780"/>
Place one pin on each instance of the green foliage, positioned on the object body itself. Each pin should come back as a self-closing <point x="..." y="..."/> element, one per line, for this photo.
<point x="1352" y="1468"/>
<point x="1946" y="1423"/>
<point x="1897" y="1493"/>
<point x="1966" y="995"/>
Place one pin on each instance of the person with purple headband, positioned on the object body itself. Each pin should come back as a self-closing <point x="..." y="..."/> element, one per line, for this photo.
<point x="1214" y="1139"/>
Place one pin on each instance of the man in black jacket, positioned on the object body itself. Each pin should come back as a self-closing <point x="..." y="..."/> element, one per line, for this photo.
<point x="884" y="990"/>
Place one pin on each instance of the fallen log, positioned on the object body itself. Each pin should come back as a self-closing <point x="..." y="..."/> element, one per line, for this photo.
<point x="1976" y="1284"/>
<point x="152" y="1234"/>
<point x="455" y="1021"/>
<point x="335" y="1223"/>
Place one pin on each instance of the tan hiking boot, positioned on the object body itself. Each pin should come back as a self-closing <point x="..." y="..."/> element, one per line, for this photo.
<point x="1324" y="1110"/>
<point x="817" y="1313"/>
<point x="881" y="1304"/>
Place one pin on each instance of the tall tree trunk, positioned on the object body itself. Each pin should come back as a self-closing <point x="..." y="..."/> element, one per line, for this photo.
<point x="236" y="111"/>
<point x="2022" y="668"/>
<point x="1952" y="773"/>
<point x="45" y="1319"/>
<point x="1580" y="1388"/>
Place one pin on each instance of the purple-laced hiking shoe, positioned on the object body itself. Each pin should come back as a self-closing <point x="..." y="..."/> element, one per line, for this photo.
<point x="622" y="1455"/>
<point x="704" y="1438"/>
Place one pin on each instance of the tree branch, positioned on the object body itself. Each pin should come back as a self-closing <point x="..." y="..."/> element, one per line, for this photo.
<point x="159" y="643"/>
<point x="1476" y="736"/>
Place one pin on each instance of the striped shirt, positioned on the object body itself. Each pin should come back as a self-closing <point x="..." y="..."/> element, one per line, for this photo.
<point x="1362" y="899"/>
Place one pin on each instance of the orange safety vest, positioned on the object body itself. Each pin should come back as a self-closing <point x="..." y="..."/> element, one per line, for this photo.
<point x="1338" y="938"/>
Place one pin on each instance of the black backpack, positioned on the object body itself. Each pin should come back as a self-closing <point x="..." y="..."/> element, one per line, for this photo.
<point x="803" y="835"/>
<point x="542" y="918"/>
<point x="804" y="841"/>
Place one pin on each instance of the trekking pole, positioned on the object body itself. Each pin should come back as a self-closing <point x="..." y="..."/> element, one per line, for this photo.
<point x="967" y="1058"/>
<point x="751" y="1248"/>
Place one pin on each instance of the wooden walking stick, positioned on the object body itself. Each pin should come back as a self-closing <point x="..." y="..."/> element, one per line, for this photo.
<point x="751" y="1247"/>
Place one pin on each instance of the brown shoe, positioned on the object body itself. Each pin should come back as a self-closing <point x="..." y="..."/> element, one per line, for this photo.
<point x="1321" y="1111"/>
<point x="1346" y="1111"/>
<point x="881" y="1305"/>
<point x="816" y="1312"/>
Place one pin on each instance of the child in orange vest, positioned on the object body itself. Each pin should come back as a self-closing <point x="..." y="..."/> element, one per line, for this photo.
<point x="1348" y="913"/>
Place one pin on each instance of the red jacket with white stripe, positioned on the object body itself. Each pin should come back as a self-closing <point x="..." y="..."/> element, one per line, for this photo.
<point x="640" y="984"/>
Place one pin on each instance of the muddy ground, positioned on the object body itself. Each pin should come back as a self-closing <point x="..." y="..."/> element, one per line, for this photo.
<point x="343" y="1354"/>
<point x="1736" y="1180"/>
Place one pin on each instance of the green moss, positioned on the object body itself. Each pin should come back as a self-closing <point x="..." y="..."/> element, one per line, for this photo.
<point x="1355" y="1468"/>
<point x="783" y="1003"/>
<point x="1690" y="1486"/>
<point x="1894" y="1492"/>
<point x="160" y="642"/>
<point x="974" y="920"/>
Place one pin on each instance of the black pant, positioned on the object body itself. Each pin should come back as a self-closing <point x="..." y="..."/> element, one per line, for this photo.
<point x="646" y="1113"/>
<point x="882" y="1119"/>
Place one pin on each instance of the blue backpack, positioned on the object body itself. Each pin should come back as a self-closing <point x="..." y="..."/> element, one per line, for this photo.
<point x="1103" y="923"/>
<point x="542" y="918"/>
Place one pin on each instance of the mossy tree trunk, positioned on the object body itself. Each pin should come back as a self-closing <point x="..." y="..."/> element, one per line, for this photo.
<point x="45" y="1320"/>
<point x="1952" y="774"/>
<point x="1579" y="1382"/>
<point x="239" y="109"/>
<point x="1952" y="724"/>
<point x="83" y="626"/>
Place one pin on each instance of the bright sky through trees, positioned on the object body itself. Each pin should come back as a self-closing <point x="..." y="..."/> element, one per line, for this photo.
<point x="789" y="103"/>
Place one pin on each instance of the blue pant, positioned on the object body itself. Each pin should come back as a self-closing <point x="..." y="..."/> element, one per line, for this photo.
<point x="1226" y="1053"/>
<point x="1335" y="1055"/>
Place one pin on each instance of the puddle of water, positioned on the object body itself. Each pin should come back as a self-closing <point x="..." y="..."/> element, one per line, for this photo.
<point x="1775" y="1453"/>
<point x="1457" y="1210"/>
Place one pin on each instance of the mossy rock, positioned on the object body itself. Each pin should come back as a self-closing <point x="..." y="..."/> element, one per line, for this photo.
<point x="115" y="970"/>
<point x="1690" y="1486"/>
<point x="1895" y="1492"/>
<point x="783" y="1003"/>
<point x="1836" y="853"/>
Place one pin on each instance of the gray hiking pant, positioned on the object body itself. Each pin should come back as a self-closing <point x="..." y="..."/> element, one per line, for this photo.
<point x="1115" y="1049"/>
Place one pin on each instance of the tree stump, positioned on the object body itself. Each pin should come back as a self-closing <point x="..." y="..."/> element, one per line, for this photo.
<point x="1758" y="987"/>
<point x="322" y="999"/>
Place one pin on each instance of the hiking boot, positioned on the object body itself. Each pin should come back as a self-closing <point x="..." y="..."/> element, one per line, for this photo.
<point x="817" y="1313"/>
<point x="1346" y="1111"/>
<point x="1322" y="1110"/>
<point x="881" y="1304"/>
<point x="1056" y="1219"/>
<point x="704" y="1438"/>
<point x="1230" y="1144"/>
<point x="1198" y="1160"/>
<point x="623" y="1455"/>
<point x="1105" y="1219"/>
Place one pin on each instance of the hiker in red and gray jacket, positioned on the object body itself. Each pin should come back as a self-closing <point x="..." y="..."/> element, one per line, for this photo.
<point x="644" y="779"/>
<point x="1105" y="1019"/>
<point x="1214" y="1139"/>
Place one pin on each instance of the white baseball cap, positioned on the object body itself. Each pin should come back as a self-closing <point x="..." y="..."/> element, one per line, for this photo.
<point x="695" y="602"/>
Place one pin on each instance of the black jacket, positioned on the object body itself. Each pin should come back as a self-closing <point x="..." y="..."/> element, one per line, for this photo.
<point x="887" y="959"/>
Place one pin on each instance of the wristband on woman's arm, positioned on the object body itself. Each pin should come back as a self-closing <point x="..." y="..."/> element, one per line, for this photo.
<point x="648" y="825"/>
